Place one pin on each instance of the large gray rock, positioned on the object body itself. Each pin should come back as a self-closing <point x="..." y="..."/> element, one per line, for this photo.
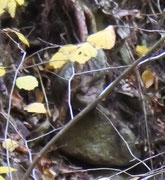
<point x="94" y="141"/>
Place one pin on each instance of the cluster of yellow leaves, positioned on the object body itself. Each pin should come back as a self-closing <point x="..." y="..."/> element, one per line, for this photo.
<point x="10" y="6"/>
<point x="148" y="77"/>
<point x="29" y="83"/>
<point x="10" y="145"/>
<point x="82" y="52"/>
<point x="4" y="170"/>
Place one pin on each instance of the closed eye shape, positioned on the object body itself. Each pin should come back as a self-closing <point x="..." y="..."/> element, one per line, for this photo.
<point x="82" y="52"/>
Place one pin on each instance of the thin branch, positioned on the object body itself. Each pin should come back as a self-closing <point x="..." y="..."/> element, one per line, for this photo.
<point x="70" y="92"/>
<point x="43" y="90"/>
<point x="9" y="107"/>
<point x="89" y="108"/>
<point x="10" y="104"/>
<point x="135" y="165"/>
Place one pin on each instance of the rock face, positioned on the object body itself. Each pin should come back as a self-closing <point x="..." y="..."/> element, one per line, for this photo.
<point x="94" y="141"/>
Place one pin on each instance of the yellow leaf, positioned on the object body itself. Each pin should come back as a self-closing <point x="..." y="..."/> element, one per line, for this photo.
<point x="11" y="7"/>
<point x="1" y="178"/>
<point x="3" y="5"/>
<point x="82" y="53"/>
<point x="104" y="39"/>
<point x="140" y="49"/>
<point x="62" y="56"/>
<point x="79" y="53"/>
<point x="6" y="169"/>
<point x="10" y="145"/>
<point x="2" y="71"/>
<point x="1" y="10"/>
<point x="148" y="78"/>
<point x="67" y="49"/>
<point x="35" y="108"/>
<point x="27" y="82"/>
<point x="20" y="36"/>
<point x="47" y="174"/>
<point x="58" y="60"/>
<point x="20" y="2"/>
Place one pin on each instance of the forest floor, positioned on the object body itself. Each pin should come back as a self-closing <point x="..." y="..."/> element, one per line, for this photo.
<point x="32" y="36"/>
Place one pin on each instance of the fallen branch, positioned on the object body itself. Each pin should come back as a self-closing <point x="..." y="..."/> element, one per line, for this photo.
<point x="89" y="107"/>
